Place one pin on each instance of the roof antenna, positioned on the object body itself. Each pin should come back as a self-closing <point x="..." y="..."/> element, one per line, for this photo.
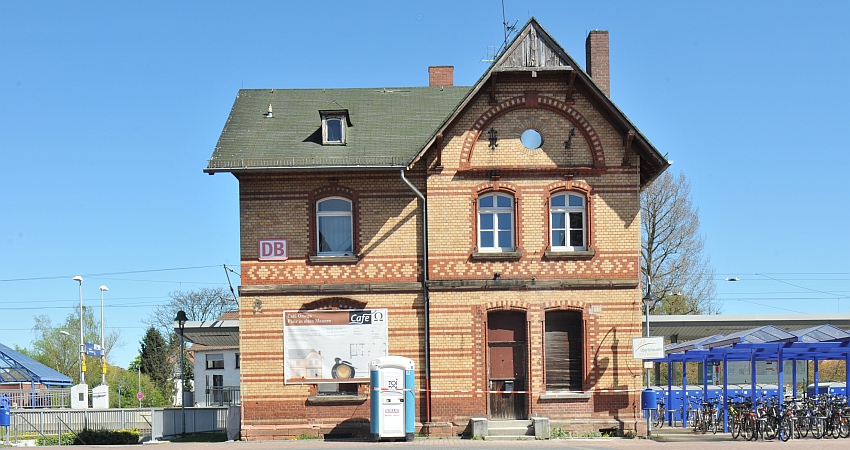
<point x="509" y="29"/>
<point x="492" y="51"/>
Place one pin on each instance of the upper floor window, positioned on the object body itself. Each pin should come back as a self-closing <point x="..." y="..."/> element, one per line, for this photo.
<point x="334" y="227"/>
<point x="495" y="223"/>
<point x="215" y="361"/>
<point x="334" y="125"/>
<point x="568" y="222"/>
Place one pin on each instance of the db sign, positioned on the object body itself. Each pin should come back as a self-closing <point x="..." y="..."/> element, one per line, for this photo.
<point x="273" y="250"/>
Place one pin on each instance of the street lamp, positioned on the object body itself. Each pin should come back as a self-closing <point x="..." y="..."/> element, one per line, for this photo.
<point x="82" y="344"/>
<point x="649" y="301"/>
<point x="102" y="341"/>
<point x="181" y="320"/>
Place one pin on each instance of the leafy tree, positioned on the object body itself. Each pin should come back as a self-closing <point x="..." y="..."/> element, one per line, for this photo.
<point x="154" y="361"/>
<point x="61" y="351"/>
<point x="673" y="261"/>
<point x="129" y="383"/>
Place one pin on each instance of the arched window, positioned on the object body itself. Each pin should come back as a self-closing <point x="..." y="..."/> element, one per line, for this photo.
<point x="334" y="227"/>
<point x="568" y="222"/>
<point x="495" y="223"/>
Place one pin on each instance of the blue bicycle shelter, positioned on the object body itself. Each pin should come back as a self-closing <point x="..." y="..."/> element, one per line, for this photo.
<point x="766" y="343"/>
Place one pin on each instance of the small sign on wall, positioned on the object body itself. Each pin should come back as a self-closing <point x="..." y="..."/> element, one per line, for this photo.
<point x="273" y="250"/>
<point x="648" y="347"/>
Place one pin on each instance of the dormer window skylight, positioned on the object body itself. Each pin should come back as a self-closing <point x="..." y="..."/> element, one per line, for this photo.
<point x="334" y="126"/>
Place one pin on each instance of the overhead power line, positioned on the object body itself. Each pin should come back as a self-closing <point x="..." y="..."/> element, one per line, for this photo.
<point x="56" y="277"/>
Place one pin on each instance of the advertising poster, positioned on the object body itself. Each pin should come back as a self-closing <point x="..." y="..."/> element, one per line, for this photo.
<point x="333" y="346"/>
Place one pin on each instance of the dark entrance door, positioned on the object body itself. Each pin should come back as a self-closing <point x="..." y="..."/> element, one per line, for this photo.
<point x="506" y="344"/>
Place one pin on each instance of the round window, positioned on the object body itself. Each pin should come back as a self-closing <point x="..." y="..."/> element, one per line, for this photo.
<point x="531" y="139"/>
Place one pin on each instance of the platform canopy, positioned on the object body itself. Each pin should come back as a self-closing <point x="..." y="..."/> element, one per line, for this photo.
<point x="765" y="343"/>
<point x="681" y="328"/>
<point x="15" y="367"/>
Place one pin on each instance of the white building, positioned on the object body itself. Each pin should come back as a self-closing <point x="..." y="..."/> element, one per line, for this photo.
<point x="216" y="375"/>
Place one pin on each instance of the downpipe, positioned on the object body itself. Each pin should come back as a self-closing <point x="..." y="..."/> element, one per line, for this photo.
<point x="425" y="297"/>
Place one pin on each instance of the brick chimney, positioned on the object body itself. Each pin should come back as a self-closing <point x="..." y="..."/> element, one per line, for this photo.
<point x="598" y="66"/>
<point x="441" y="76"/>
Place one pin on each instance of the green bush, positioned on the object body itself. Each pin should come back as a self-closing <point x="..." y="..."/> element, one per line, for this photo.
<point x="107" y="437"/>
<point x="67" y="439"/>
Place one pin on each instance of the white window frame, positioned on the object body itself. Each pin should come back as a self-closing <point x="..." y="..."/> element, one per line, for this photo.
<point x="349" y="214"/>
<point x="214" y="361"/>
<point x="342" y="125"/>
<point x="566" y="210"/>
<point x="495" y="211"/>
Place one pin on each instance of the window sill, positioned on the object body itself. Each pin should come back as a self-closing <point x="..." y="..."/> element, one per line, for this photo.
<point x="565" y="395"/>
<point x="321" y="259"/>
<point x="342" y="398"/>
<point x="565" y="254"/>
<point x="486" y="256"/>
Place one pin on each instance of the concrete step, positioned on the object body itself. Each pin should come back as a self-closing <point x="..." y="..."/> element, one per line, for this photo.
<point x="508" y="424"/>
<point x="509" y="438"/>
<point x="513" y="431"/>
<point x="509" y="429"/>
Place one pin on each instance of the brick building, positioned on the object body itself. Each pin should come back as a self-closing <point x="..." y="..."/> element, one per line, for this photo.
<point x="497" y="225"/>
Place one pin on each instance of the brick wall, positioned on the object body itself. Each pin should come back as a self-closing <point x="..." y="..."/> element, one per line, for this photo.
<point x="603" y="285"/>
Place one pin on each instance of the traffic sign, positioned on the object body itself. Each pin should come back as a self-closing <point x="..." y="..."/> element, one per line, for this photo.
<point x="140" y="395"/>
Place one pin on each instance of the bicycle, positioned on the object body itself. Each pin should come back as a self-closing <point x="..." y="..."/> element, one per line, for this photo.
<point x="658" y="414"/>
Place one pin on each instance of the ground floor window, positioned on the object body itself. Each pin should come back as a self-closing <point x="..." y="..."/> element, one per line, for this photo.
<point x="564" y="348"/>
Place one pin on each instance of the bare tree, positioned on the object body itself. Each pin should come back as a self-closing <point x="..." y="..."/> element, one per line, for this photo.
<point x="200" y="305"/>
<point x="673" y="260"/>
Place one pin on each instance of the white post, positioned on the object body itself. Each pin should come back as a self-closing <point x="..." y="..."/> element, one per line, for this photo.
<point x="82" y="343"/>
<point x="102" y="340"/>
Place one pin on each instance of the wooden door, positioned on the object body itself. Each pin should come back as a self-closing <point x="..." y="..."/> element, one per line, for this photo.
<point x="506" y="345"/>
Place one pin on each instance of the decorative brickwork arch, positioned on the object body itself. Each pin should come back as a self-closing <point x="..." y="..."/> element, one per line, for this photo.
<point x="528" y="101"/>
<point x="331" y="303"/>
<point x="333" y="189"/>
<point x="570" y="185"/>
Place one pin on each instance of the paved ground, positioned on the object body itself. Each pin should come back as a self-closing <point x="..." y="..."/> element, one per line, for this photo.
<point x="665" y="439"/>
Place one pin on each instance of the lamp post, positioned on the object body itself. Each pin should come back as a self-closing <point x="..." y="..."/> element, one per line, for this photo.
<point x="181" y="320"/>
<point x="79" y="279"/>
<point x="102" y="341"/>
<point x="649" y="301"/>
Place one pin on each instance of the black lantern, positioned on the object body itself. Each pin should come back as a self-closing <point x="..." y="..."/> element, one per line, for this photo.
<point x="493" y="138"/>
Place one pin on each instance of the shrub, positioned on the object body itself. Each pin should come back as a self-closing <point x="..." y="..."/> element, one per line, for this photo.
<point x="107" y="437"/>
<point x="67" y="439"/>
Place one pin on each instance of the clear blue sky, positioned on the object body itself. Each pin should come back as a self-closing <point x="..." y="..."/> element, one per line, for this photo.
<point x="109" y="111"/>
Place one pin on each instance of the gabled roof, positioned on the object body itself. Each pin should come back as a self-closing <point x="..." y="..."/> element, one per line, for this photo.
<point x="389" y="127"/>
<point x="534" y="50"/>
<point x="392" y="128"/>
<point x="16" y="367"/>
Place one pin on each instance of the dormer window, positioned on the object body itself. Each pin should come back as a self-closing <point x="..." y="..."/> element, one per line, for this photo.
<point x="334" y="125"/>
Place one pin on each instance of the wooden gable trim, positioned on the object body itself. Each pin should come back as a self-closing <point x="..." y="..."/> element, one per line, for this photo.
<point x="627" y="143"/>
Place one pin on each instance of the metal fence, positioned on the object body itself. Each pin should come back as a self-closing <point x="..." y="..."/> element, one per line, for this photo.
<point x="27" y="424"/>
<point x="31" y="424"/>
<point x="38" y="398"/>
<point x="222" y="395"/>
